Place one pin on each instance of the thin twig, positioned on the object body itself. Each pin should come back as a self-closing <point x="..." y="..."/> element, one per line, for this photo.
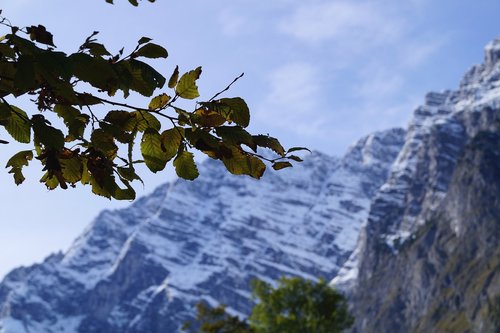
<point x="227" y="88"/>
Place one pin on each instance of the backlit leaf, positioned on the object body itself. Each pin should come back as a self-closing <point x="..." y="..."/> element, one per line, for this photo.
<point x="269" y="142"/>
<point x="241" y="163"/>
<point x="17" y="162"/>
<point x="72" y="169"/>
<point x="171" y="140"/>
<point x="18" y="125"/>
<point x="152" y="151"/>
<point x="185" y="166"/>
<point x="282" y="165"/>
<point x="187" y="88"/>
<point x="237" y="111"/>
<point x="152" y="51"/>
<point x="47" y="135"/>
<point x="159" y="102"/>
<point x="172" y="82"/>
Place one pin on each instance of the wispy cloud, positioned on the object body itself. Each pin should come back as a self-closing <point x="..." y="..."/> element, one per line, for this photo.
<point x="294" y="91"/>
<point x="345" y="22"/>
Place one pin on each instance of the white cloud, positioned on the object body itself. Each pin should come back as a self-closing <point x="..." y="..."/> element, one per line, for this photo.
<point x="232" y="23"/>
<point x="345" y="22"/>
<point x="293" y="98"/>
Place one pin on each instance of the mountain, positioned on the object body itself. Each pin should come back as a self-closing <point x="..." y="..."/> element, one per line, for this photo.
<point x="428" y="257"/>
<point x="143" y="268"/>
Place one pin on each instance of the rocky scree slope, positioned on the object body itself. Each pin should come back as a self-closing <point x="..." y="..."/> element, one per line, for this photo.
<point x="143" y="268"/>
<point x="428" y="258"/>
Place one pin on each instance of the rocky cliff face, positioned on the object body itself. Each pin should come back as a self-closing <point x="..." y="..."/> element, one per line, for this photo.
<point x="428" y="257"/>
<point x="143" y="268"/>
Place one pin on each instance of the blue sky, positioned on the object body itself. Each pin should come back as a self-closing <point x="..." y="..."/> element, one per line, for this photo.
<point x="318" y="73"/>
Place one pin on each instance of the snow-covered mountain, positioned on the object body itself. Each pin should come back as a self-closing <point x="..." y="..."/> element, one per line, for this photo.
<point x="428" y="258"/>
<point x="143" y="268"/>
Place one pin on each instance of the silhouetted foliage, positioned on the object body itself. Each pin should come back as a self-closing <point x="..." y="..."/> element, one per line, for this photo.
<point x="96" y="144"/>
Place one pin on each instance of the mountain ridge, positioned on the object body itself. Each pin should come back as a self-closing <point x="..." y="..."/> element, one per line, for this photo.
<point x="144" y="267"/>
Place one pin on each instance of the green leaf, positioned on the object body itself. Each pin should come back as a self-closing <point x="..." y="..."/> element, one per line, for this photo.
<point x="18" y="125"/>
<point x="40" y="34"/>
<point x="72" y="169"/>
<point x="282" y="165"/>
<point x="47" y="135"/>
<point x="185" y="166"/>
<point x="295" y="158"/>
<point x="118" y="118"/>
<point x="296" y="149"/>
<point x="186" y="88"/>
<point x="152" y="51"/>
<point x="159" y="102"/>
<point x="172" y="82"/>
<point x="25" y="75"/>
<point x="237" y="111"/>
<point x="94" y="70"/>
<point x="97" y="49"/>
<point x="104" y="142"/>
<point x="129" y="174"/>
<point x="145" y="79"/>
<point x="204" y="142"/>
<point x="241" y="163"/>
<point x="152" y="151"/>
<point x="171" y="140"/>
<point x="142" y="120"/>
<point x="124" y="194"/>
<point x="269" y="142"/>
<point x="144" y="40"/>
<point x="17" y="162"/>
<point x="236" y="135"/>
<point x="50" y="181"/>
<point x="207" y="118"/>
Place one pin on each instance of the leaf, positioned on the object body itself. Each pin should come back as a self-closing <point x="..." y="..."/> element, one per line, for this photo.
<point x="72" y="169"/>
<point x="171" y="140"/>
<point x="25" y="75"/>
<point x="104" y="142"/>
<point x="236" y="135"/>
<point x="145" y="79"/>
<point x="269" y="142"/>
<point x="96" y="49"/>
<point x="40" y="34"/>
<point x="17" y="162"/>
<point x="118" y="118"/>
<point x="297" y="149"/>
<point x="159" y="102"/>
<point x="144" y="40"/>
<point x="295" y="158"/>
<point x="152" y="51"/>
<point x="129" y="174"/>
<point x="134" y="2"/>
<point x="172" y="82"/>
<point x="18" y="125"/>
<point x="185" y="166"/>
<point x="186" y="88"/>
<point x="152" y="151"/>
<point x="241" y="163"/>
<point x="94" y="70"/>
<point x="204" y="142"/>
<point x="47" y="135"/>
<point x="282" y="165"/>
<point x="238" y="111"/>
<point x="124" y="194"/>
<point x="207" y="118"/>
<point x="142" y="120"/>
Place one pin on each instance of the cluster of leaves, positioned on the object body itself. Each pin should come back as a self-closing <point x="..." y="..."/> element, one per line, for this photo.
<point x="96" y="148"/>
<point x="294" y="306"/>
